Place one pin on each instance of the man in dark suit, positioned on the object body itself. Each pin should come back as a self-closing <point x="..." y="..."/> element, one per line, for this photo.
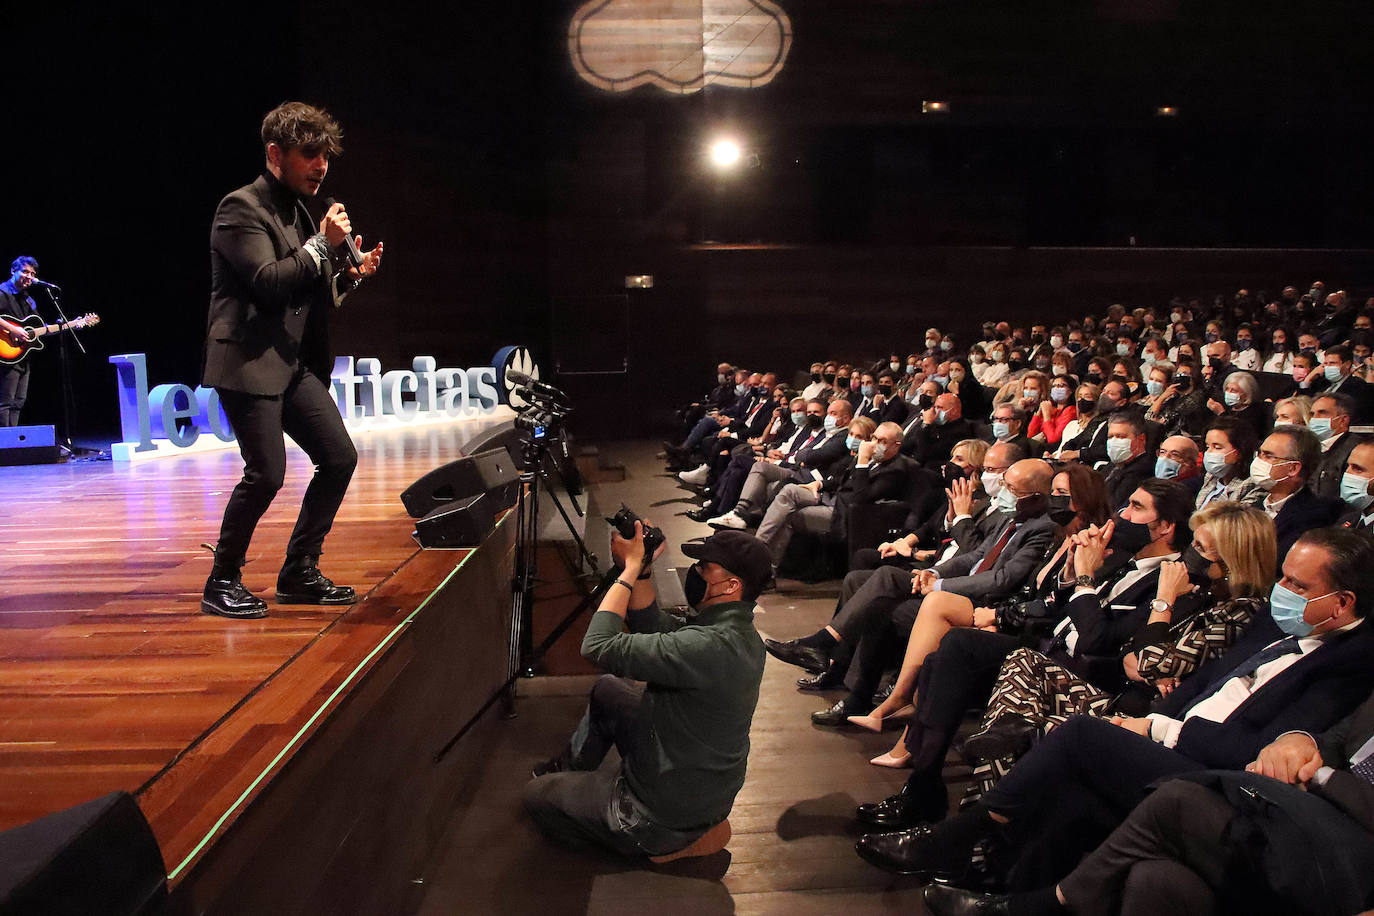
<point x="1357" y="489"/>
<point x="1178" y="849"/>
<point x="1331" y="416"/>
<point x="1131" y="461"/>
<point x="890" y="409"/>
<point x="1282" y="466"/>
<point x="941" y="426"/>
<point x="961" y="673"/>
<point x="877" y="472"/>
<point x="1009" y="425"/>
<point x="891" y="598"/>
<point x="1219" y="718"/>
<point x="1336" y="369"/>
<point x="273" y="283"/>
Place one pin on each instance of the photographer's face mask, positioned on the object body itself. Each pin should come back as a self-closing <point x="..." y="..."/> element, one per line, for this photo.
<point x="697" y="587"/>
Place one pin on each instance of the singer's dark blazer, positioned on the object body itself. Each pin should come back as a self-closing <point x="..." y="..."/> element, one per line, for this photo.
<point x="269" y="303"/>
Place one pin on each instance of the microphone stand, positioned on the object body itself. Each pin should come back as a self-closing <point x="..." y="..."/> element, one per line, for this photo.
<point x="65" y="373"/>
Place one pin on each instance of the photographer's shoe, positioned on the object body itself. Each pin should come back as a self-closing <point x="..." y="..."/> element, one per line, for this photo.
<point x="696" y="477"/>
<point x="301" y="582"/>
<point x="728" y="520"/>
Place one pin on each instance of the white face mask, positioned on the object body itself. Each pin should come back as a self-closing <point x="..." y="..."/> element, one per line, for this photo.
<point x="992" y="484"/>
<point x="1260" y="471"/>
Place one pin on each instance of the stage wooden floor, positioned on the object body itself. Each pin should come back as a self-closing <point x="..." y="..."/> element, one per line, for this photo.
<point x="111" y="677"/>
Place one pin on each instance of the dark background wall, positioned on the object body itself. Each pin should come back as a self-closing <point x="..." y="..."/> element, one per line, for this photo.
<point x="514" y="198"/>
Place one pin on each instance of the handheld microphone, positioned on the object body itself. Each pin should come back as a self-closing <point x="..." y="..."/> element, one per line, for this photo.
<point x="37" y="282"/>
<point x="355" y="256"/>
<point x="536" y="386"/>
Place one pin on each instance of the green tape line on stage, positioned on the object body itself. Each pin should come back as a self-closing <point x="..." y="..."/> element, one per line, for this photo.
<point x="172" y="875"/>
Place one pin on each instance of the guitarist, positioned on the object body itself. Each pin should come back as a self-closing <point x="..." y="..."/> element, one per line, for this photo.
<point x="16" y="302"/>
<point x="275" y="277"/>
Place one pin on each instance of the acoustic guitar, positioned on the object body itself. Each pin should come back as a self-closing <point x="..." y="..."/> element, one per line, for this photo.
<point x="18" y="337"/>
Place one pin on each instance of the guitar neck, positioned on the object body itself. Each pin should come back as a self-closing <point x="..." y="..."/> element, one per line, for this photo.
<point x="51" y="328"/>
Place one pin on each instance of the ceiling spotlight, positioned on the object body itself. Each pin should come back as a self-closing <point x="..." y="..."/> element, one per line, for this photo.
<point x="725" y="153"/>
<point x="934" y="107"/>
<point x="1166" y="111"/>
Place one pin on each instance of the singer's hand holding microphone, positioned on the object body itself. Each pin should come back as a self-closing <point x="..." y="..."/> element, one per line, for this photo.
<point x="338" y="231"/>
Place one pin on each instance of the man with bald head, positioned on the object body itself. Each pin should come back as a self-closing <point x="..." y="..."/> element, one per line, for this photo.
<point x="941" y="426"/>
<point x="1176" y="459"/>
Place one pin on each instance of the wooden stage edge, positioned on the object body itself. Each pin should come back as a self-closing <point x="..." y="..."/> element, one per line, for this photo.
<point x="287" y="765"/>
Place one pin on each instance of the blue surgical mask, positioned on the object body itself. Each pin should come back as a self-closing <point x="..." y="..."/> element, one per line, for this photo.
<point x="1232" y="398"/>
<point x="1001" y="430"/>
<point x="1288" y="609"/>
<point x="866" y="391"/>
<point x="1321" y="426"/>
<point x="798" y="417"/>
<point x="1006" y="500"/>
<point x="1059" y="395"/>
<point x="1332" y="373"/>
<point x="852" y="442"/>
<point x="1154" y="388"/>
<point x="910" y="370"/>
<point x="1118" y="450"/>
<point x="1355" y="490"/>
<point x="939" y="418"/>
<point x="946" y="345"/>
<point x="1215" y="463"/>
<point x="830" y="422"/>
<point x="1166" y="468"/>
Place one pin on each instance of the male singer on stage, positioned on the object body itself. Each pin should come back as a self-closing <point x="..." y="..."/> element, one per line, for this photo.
<point x="16" y="302"/>
<point x="273" y="283"/>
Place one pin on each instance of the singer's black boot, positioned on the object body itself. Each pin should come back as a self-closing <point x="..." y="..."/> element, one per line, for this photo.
<point x="301" y="582"/>
<point x="226" y="596"/>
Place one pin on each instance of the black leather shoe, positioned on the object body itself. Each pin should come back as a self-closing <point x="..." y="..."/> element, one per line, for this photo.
<point x="837" y="716"/>
<point x="908" y="852"/>
<point x="227" y="597"/>
<point x="943" y="900"/>
<point x="794" y="653"/>
<point x="303" y="583"/>
<point x="1009" y="735"/>
<point x="907" y="808"/>
<point x="826" y="680"/>
<point x="559" y="764"/>
<point x="701" y="515"/>
<point x="882" y="694"/>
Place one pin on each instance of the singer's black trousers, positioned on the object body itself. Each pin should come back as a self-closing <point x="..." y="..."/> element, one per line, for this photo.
<point x="307" y="413"/>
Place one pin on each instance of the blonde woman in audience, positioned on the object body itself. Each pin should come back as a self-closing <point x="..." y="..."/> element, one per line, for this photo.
<point x="1294" y="411"/>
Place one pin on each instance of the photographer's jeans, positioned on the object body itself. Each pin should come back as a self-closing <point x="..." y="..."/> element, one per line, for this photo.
<point x="587" y="806"/>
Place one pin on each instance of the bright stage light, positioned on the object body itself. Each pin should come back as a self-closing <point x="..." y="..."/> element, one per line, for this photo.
<point x="725" y="153"/>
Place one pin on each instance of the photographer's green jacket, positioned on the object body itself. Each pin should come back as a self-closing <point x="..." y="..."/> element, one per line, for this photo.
<point x="691" y="739"/>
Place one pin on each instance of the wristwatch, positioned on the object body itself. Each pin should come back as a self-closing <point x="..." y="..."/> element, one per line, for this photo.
<point x="1085" y="581"/>
<point x="1160" y="606"/>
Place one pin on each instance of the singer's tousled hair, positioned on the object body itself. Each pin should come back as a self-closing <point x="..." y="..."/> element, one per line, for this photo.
<point x="22" y="261"/>
<point x="296" y="125"/>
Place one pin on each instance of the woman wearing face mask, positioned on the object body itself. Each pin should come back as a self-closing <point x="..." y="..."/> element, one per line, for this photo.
<point x="1078" y="499"/>
<point x="1127" y="370"/>
<point x="1228" y="449"/>
<point x="1203" y="604"/>
<point x="1055" y="412"/>
<point x="1241" y="399"/>
<point x="973" y="399"/>
<point x="978" y="361"/>
<point x="1099" y="371"/>
<point x="1087" y="428"/>
<point x="996" y="371"/>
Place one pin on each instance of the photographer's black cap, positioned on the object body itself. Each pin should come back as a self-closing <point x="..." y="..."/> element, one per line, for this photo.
<point x="741" y="554"/>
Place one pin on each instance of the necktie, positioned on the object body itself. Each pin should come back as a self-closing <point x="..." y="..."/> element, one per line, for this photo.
<point x="991" y="556"/>
<point x="1286" y="646"/>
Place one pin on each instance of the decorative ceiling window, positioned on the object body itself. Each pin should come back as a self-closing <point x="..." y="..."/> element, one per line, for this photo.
<point x="680" y="46"/>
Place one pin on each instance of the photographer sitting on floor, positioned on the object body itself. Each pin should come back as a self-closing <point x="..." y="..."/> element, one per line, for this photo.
<point x="683" y="736"/>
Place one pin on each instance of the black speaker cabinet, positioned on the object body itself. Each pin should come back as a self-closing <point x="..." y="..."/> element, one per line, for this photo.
<point x="490" y="472"/>
<point x="461" y="523"/>
<point x="99" y="857"/>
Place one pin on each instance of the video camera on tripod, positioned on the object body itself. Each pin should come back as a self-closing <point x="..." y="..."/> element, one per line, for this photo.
<point x="546" y="407"/>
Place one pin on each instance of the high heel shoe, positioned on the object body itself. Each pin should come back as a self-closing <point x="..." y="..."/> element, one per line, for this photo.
<point x="874" y="722"/>
<point x="888" y="760"/>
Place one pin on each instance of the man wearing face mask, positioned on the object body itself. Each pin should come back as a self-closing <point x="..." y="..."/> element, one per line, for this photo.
<point x="997" y="567"/>
<point x="1130" y="460"/>
<point x="824" y="446"/>
<point x="877" y="472"/>
<point x="1216" y="366"/>
<point x="1336" y="368"/>
<point x="887" y="408"/>
<point x="942" y="424"/>
<point x="1177" y="459"/>
<point x="1009" y="425"/>
<point x="816" y="385"/>
<point x="1281" y="467"/>
<point x="1330" y="423"/>
<point x="683" y="735"/>
<point x="1357" y="489"/>
<point x="1303" y="674"/>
